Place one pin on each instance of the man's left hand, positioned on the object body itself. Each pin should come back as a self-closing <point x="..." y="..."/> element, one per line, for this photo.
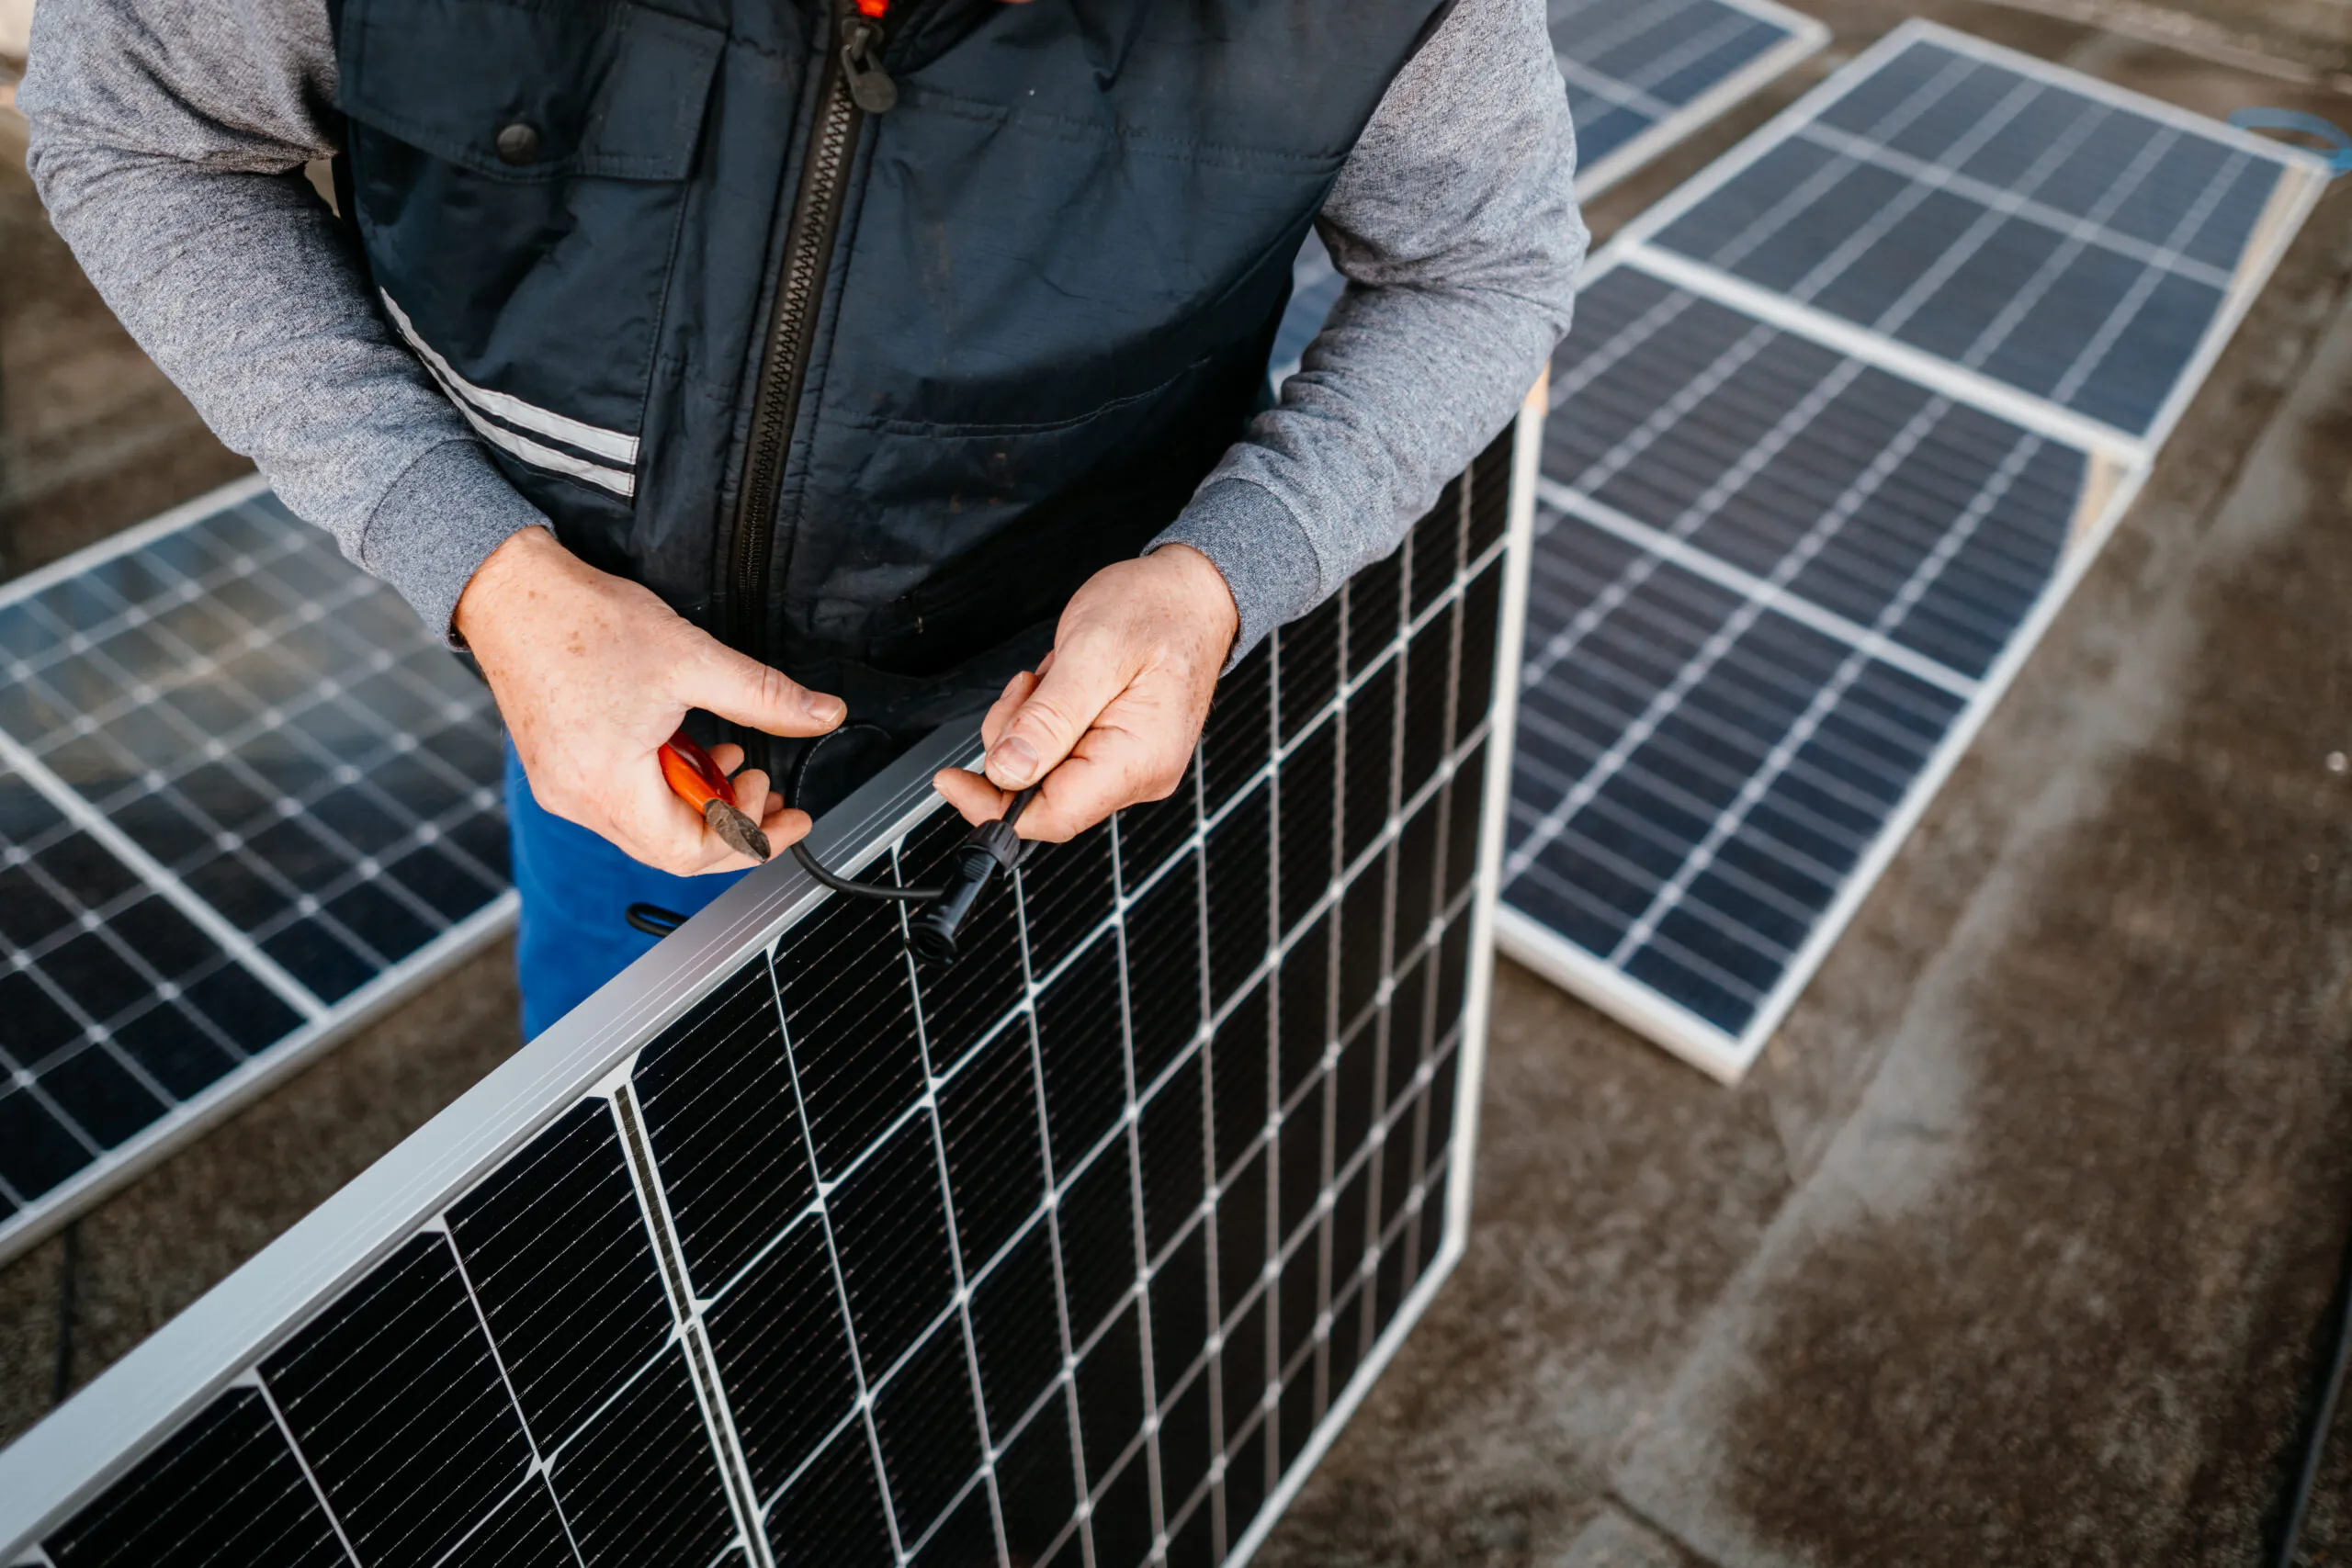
<point x="1110" y="717"/>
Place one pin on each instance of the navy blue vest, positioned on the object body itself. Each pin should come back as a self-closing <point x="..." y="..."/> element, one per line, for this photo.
<point x="862" y="333"/>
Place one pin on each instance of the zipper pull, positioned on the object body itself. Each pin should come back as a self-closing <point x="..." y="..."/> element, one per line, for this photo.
<point x="870" y="87"/>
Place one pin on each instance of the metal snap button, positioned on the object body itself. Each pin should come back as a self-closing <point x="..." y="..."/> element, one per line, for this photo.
<point x="517" y="143"/>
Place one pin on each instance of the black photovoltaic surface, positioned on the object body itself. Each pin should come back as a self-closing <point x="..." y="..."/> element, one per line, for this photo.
<point x="1768" y="581"/>
<point x="1630" y="68"/>
<point x="2049" y="238"/>
<point x="1058" y="1255"/>
<point x="238" y="783"/>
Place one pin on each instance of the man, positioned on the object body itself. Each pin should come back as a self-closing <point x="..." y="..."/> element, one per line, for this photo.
<point x="793" y="360"/>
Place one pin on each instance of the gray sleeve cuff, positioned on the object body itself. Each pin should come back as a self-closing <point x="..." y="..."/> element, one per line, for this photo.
<point x="1265" y="557"/>
<point x="437" y="525"/>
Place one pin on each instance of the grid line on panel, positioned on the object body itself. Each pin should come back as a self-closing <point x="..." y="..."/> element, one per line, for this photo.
<point x="2013" y="314"/>
<point x="649" y="1187"/>
<point x="1635" y="92"/>
<point x="2136" y="299"/>
<point x="1751" y="611"/>
<point x="1539" y="664"/>
<point x="318" y="1493"/>
<point x="1187" y="1060"/>
<point x="1913" y="107"/>
<point x="507" y="1380"/>
<point x="1831" y="692"/>
<point x="1065" y="1384"/>
<point x="1391" y="962"/>
<point x="1559" y="498"/>
<point x="1596" y="850"/>
<point x="1854" y="246"/>
<point x="726" y="1443"/>
<point x="956" y="1249"/>
<point x="1571" y="381"/>
<point x="1674" y="410"/>
<point x="210" y="920"/>
<point x="1597" y="679"/>
<point x="841" y="1287"/>
<point x="2017" y="200"/>
<point x="2067" y="229"/>
<point x="255" y="717"/>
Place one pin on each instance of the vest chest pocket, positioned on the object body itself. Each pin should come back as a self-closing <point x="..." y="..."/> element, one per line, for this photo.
<point x="520" y="171"/>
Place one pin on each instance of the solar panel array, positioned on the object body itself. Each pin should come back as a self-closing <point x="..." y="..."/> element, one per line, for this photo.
<point x="1640" y="77"/>
<point x="243" y="798"/>
<point x="1075" y="1251"/>
<point x="1838" y="425"/>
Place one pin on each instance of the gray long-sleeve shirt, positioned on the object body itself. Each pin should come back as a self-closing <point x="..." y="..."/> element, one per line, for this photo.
<point x="168" y="138"/>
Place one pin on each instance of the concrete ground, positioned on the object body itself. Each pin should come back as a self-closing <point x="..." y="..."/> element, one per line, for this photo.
<point x="2012" y="1249"/>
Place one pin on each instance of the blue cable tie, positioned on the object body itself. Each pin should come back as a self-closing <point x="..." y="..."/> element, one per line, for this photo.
<point x="2335" y="136"/>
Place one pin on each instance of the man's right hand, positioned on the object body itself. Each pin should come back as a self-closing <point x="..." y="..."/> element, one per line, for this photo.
<point x="593" y="673"/>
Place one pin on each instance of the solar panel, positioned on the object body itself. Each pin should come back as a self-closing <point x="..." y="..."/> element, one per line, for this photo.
<point x="1644" y="75"/>
<point x="243" y="801"/>
<point x="1640" y="77"/>
<point x="2034" y="227"/>
<point x="783" y="1250"/>
<point x="1783" y="568"/>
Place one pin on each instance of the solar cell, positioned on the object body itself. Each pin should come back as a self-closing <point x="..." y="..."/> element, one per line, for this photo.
<point x="783" y="1250"/>
<point x="1784" y="566"/>
<point x="1640" y="77"/>
<point x="243" y="801"/>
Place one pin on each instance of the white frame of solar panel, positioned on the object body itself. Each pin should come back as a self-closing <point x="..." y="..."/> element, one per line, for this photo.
<point x="1808" y="37"/>
<point x="2119" y="464"/>
<point x="107" y="1427"/>
<point x="324" y="1023"/>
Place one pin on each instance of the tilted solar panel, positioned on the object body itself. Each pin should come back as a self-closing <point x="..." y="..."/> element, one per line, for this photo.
<point x="244" y="800"/>
<point x="1640" y="77"/>
<point x="1784" y="568"/>
<point x="783" y="1250"/>
<point x="2026" y="223"/>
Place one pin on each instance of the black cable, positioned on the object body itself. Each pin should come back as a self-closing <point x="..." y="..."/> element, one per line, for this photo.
<point x="992" y="847"/>
<point x="653" y="920"/>
<point x="889" y="891"/>
<point x="2315" y="1445"/>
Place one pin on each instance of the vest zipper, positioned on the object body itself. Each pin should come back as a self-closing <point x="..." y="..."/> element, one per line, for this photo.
<point x="855" y="84"/>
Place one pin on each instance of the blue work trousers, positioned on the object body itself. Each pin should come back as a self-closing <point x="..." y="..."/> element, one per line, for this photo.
<point x="576" y="888"/>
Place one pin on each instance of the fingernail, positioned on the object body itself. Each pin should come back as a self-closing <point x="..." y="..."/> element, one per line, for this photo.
<point x="822" y="709"/>
<point x="1014" y="760"/>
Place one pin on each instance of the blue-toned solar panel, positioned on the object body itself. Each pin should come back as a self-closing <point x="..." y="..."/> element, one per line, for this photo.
<point x="242" y="796"/>
<point x="1633" y="68"/>
<point x="785" y="1250"/>
<point x="1769" y="582"/>
<point x="1639" y="76"/>
<point x="2050" y="236"/>
<point x="1784" y="566"/>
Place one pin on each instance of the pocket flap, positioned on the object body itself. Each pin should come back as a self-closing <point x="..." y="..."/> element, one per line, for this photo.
<point x="532" y="92"/>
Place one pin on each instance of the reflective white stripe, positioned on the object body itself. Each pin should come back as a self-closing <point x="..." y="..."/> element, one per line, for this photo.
<point x="603" y="443"/>
<point x="619" y="481"/>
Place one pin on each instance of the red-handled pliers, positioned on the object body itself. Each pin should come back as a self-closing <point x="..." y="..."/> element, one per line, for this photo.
<point x="698" y="782"/>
